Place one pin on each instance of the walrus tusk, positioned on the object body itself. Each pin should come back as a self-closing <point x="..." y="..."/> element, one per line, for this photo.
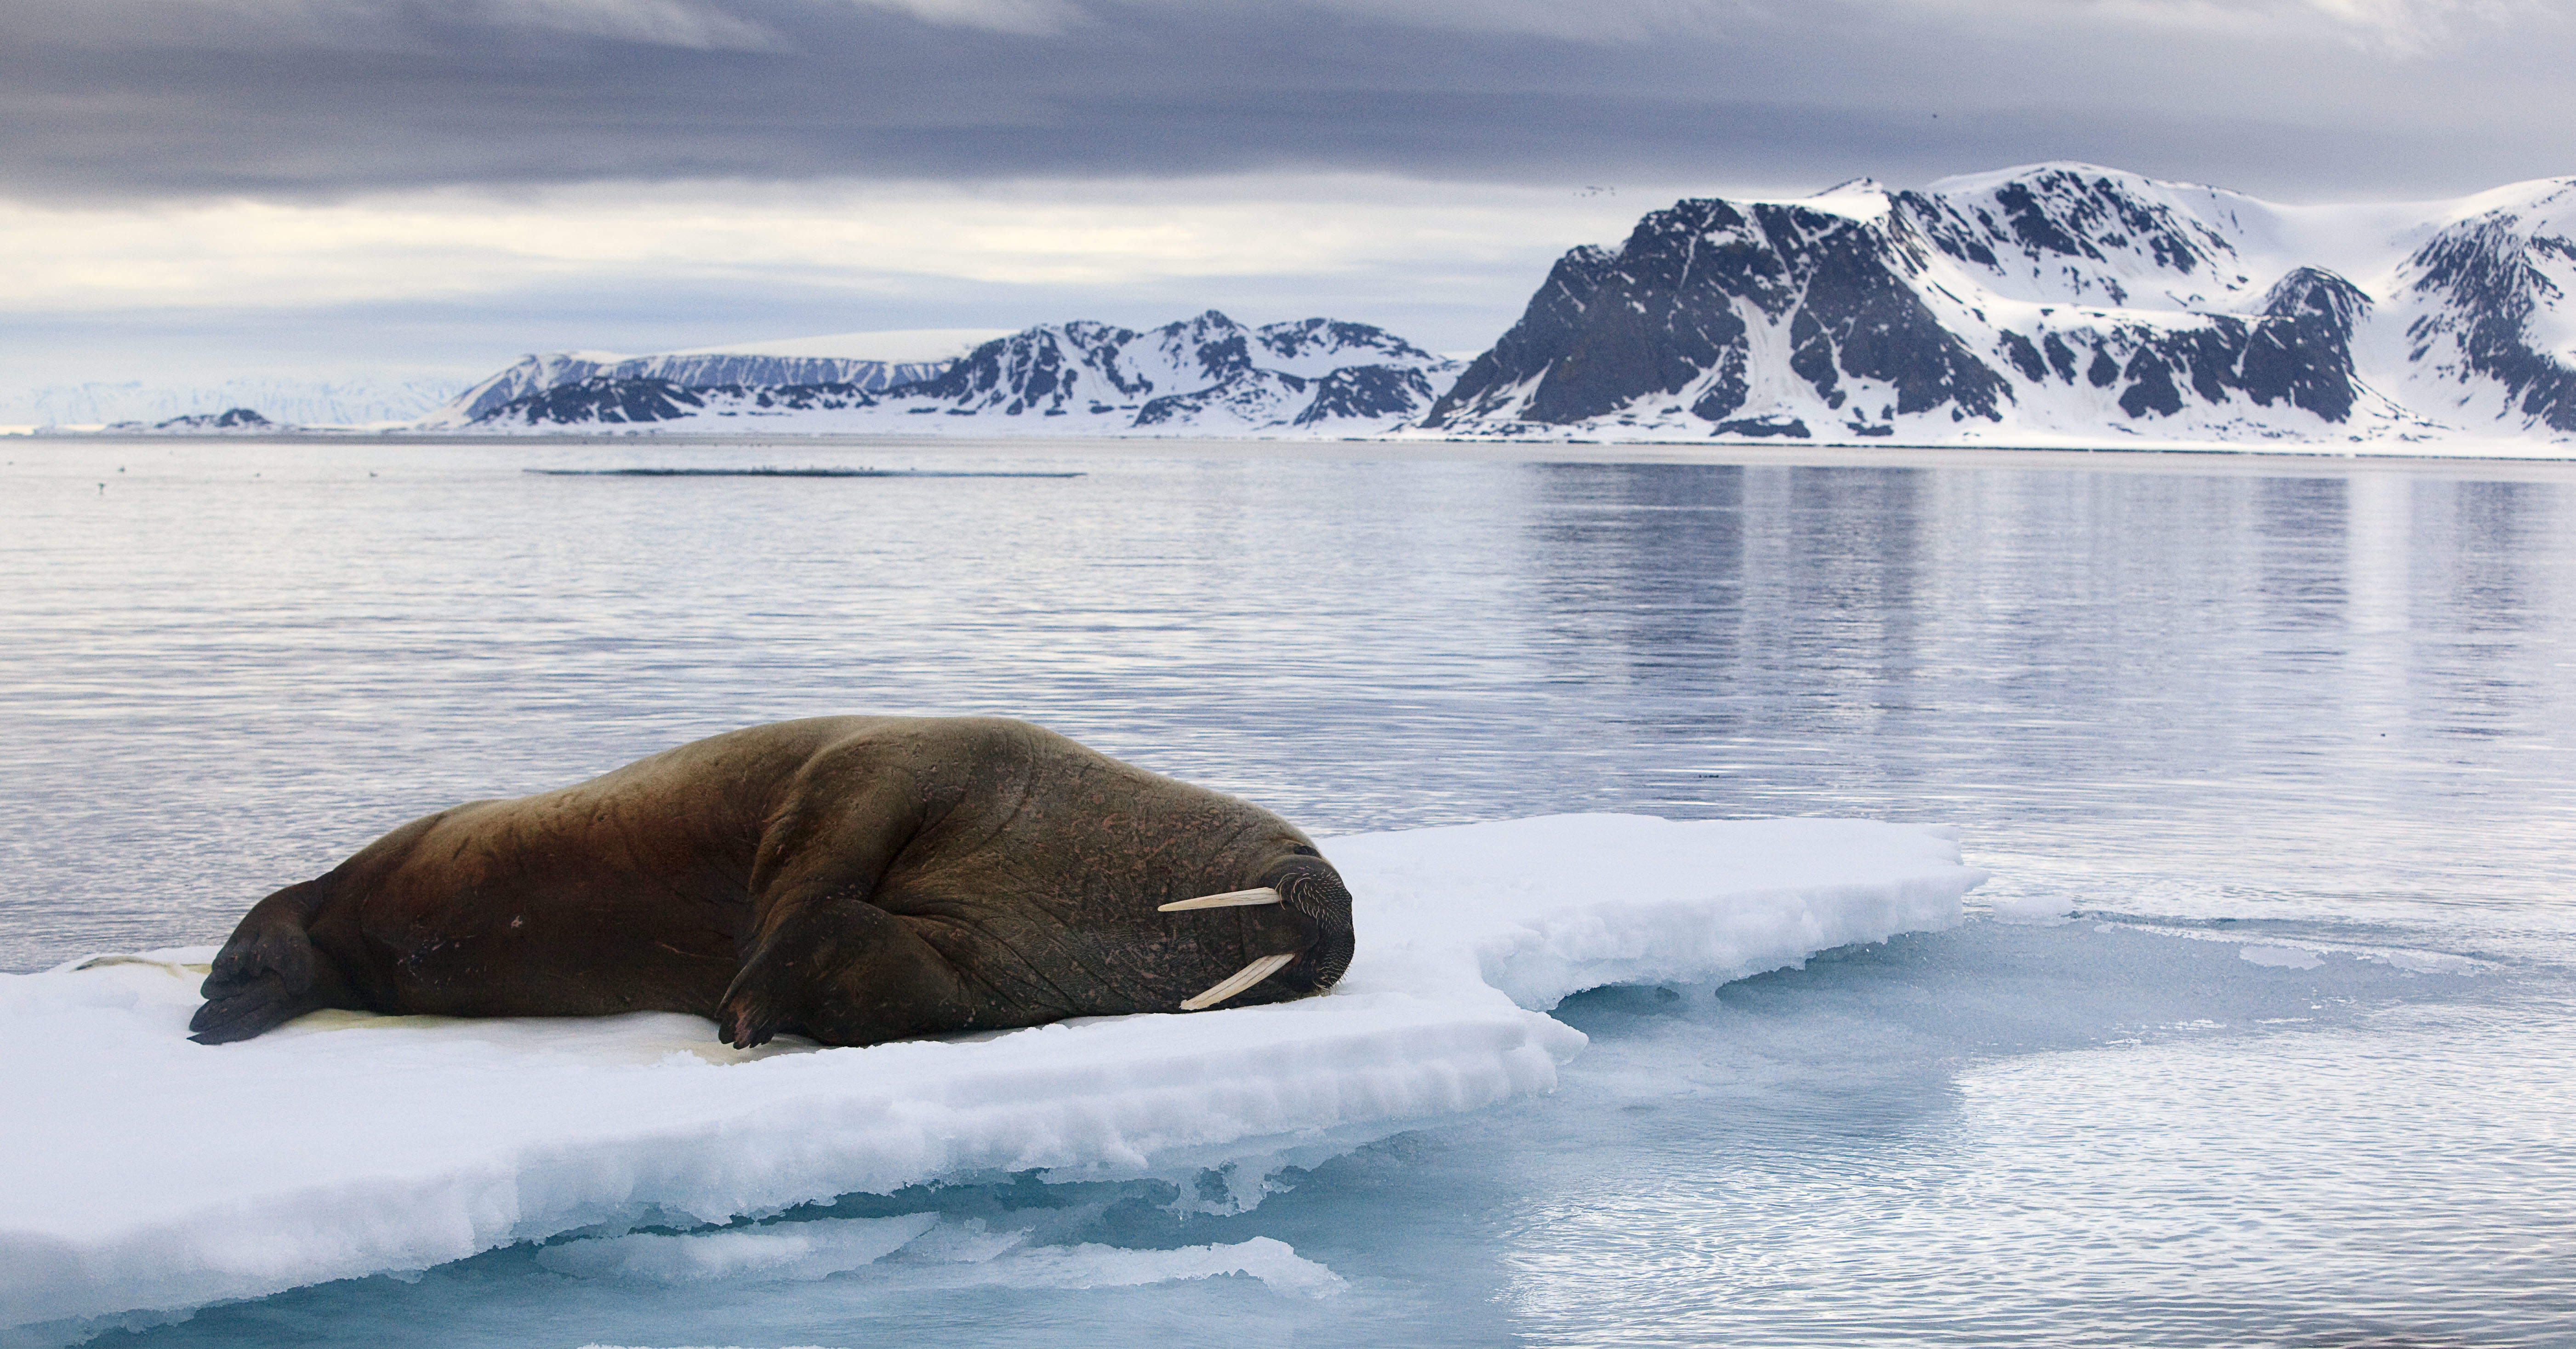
<point x="1228" y="900"/>
<point x="1243" y="978"/>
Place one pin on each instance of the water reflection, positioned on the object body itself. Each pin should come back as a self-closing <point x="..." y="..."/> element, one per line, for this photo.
<point x="2176" y="692"/>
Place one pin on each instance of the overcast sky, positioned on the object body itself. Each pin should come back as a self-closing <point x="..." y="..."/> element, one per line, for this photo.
<point x="195" y="188"/>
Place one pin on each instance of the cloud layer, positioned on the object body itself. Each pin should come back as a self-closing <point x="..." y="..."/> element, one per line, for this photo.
<point x="147" y="98"/>
<point x="463" y="279"/>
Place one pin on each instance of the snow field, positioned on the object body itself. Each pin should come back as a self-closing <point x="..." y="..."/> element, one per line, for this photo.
<point x="150" y="1174"/>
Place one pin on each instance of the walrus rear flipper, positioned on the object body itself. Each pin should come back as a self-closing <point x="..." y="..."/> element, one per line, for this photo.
<point x="268" y="973"/>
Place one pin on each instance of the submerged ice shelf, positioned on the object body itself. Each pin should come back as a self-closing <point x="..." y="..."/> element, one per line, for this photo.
<point x="150" y="1174"/>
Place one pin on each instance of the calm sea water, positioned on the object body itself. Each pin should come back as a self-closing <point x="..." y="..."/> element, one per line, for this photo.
<point x="2212" y="707"/>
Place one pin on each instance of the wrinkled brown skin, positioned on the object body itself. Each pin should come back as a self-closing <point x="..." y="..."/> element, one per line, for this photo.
<point x="849" y="879"/>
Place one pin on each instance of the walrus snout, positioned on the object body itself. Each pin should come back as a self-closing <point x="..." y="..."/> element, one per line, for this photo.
<point x="1310" y="888"/>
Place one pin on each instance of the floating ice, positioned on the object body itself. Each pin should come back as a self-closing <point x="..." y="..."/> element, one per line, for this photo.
<point x="807" y="1250"/>
<point x="1091" y="1265"/>
<point x="2283" y="957"/>
<point x="148" y="1173"/>
<point x="931" y="1251"/>
<point x="2426" y="962"/>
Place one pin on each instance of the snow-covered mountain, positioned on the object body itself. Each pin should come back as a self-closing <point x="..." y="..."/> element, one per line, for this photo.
<point x="2055" y="304"/>
<point x="871" y="361"/>
<point x="1202" y="375"/>
<point x="2052" y="304"/>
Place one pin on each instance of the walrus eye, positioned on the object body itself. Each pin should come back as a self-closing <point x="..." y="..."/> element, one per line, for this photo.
<point x="1243" y="978"/>
<point x="1230" y="899"/>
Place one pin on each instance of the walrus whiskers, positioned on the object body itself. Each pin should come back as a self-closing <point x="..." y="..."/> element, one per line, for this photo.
<point x="1243" y="978"/>
<point x="1230" y="899"/>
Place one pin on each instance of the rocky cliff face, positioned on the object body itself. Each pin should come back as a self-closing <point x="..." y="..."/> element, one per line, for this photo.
<point x="1201" y="375"/>
<point x="2489" y="295"/>
<point x="2061" y="300"/>
<point x="1706" y="309"/>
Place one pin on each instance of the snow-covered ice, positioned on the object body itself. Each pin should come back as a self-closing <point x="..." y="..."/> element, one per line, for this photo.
<point x="147" y="1173"/>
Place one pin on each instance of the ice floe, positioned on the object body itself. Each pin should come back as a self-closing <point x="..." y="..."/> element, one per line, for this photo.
<point x="149" y="1174"/>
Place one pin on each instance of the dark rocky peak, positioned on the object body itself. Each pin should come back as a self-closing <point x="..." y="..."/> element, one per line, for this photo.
<point x="1707" y="243"/>
<point x="2484" y="280"/>
<point x="1376" y="392"/>
<point x="1666" y="322"/>
<point x="230" y="419"/>
<point x="2052" y="220"/>
<point x="1209" y="346"/>
<point x="1381" y="393"/>
<point x="1659" y="317"/>
<point x="597" y="399"/>
<point x="1302" y="339"/>
<point x="1557" y="318"/>
<point x="1036" y="368"/>
<point x="2313" y="293"/>
<point x="1759" y="253"/>
<point x="2483" y="263"/>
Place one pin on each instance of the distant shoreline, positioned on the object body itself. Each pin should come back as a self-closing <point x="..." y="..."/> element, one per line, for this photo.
<point x="2538" y="461"/>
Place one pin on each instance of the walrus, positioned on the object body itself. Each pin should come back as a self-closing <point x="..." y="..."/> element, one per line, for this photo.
<point x="849" y="879"/>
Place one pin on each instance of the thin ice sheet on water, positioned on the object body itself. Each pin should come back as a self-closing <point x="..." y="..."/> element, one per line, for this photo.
<point x="146" y="1172"/>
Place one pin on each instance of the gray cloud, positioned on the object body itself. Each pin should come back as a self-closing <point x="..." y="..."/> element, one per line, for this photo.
<point x="316" y="98"/>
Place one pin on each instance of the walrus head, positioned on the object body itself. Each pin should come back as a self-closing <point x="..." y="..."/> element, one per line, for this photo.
<point x="1310" y="888"/>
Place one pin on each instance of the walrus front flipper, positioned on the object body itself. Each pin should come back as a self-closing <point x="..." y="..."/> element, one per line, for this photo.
<point x="268" y="973"/>
<point x="844" y="972"/>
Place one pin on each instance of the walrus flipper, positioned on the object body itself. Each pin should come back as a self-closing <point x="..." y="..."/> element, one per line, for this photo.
<point x="845" y="972"/>
<point x="266" y="975"/>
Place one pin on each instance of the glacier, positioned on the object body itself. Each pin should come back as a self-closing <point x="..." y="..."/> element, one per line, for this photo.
<point x="150" y="1176"/>
<point x="375" y="401"/>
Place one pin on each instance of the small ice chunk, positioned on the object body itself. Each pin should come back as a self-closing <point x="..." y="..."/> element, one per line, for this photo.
<point x="1089" y="1265"/>
<point x="2430" y="962"/>
<point x="2283" y="957"/>
<point x="1093" y="1265"/>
